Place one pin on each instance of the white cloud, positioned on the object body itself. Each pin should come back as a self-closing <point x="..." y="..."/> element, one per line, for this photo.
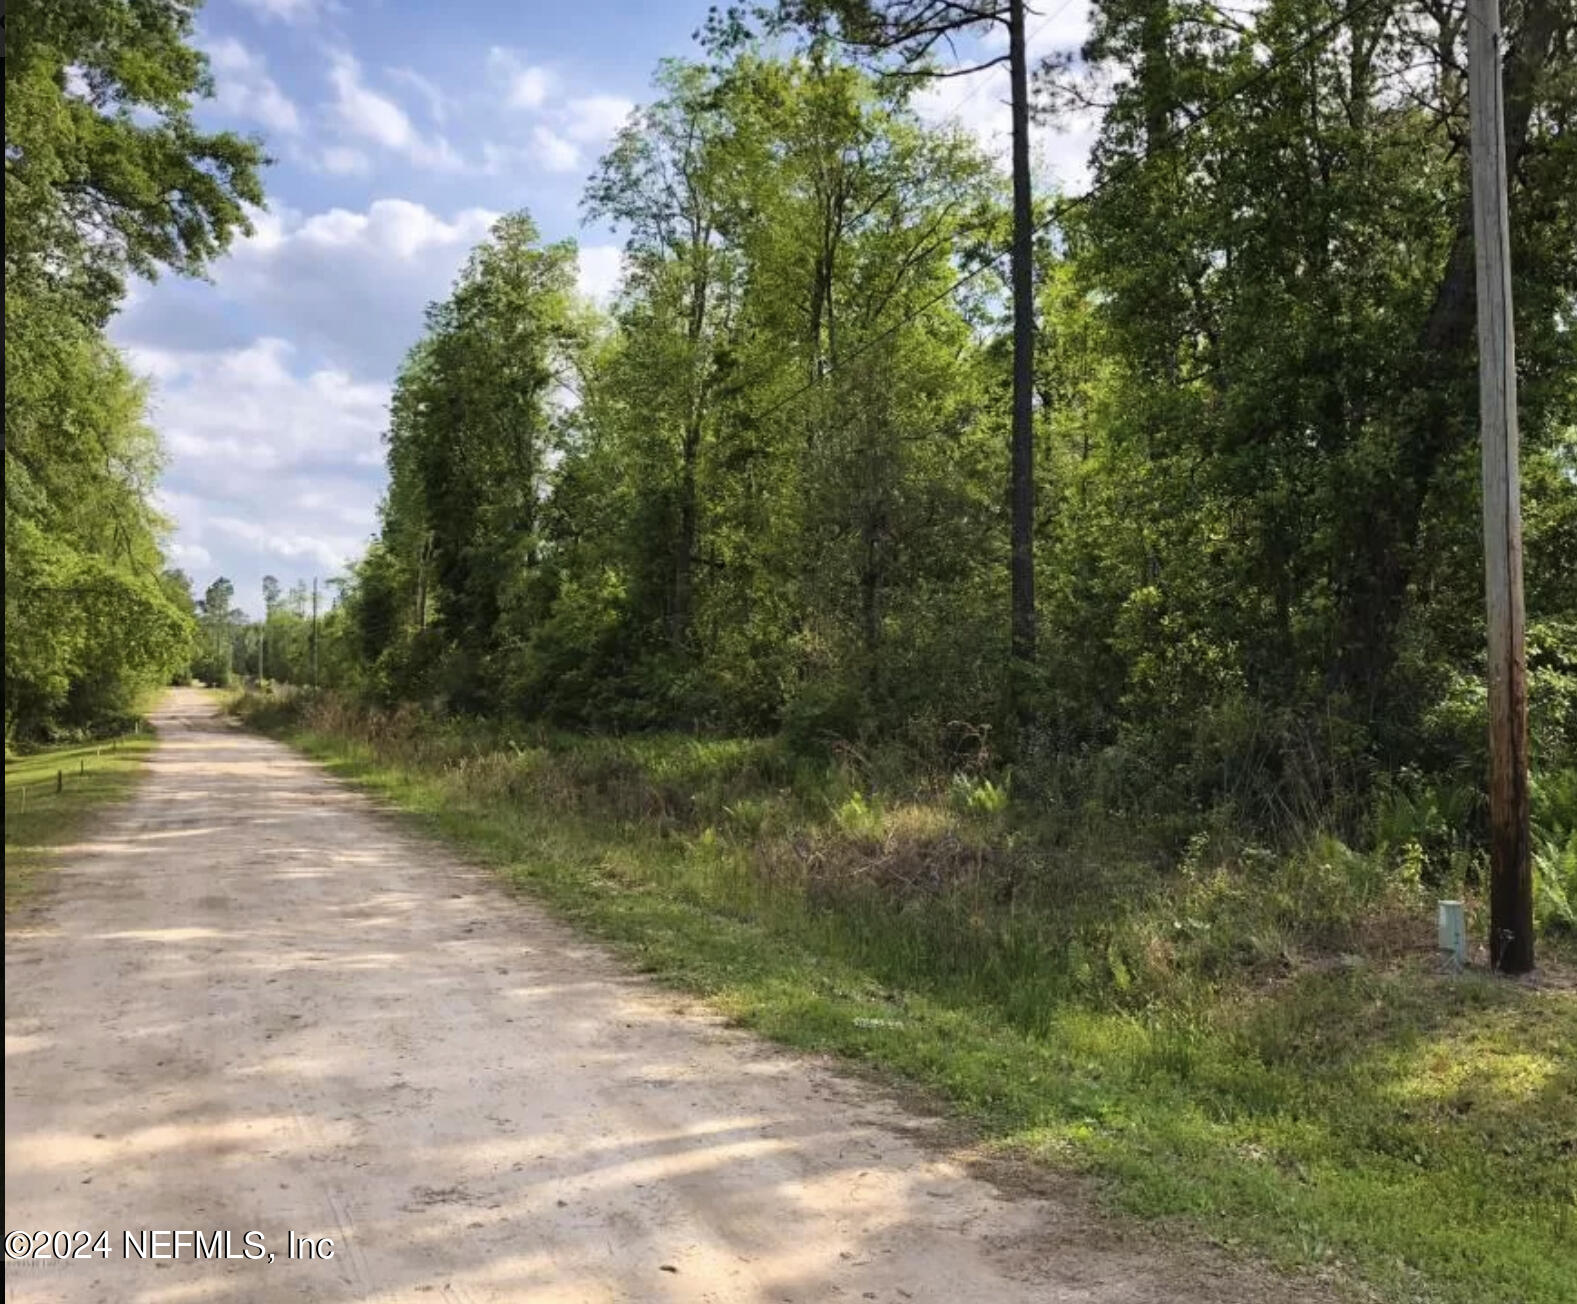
<point x="268" y="226"/>
<point x="242" y="87"/>
<point x="498" y="159"/>
<point x="429" y="90"/>
<point x="395" y="226"/>
<point x="599" y="269"/>
<point x="237" y="412"/>
<point x="528" y="88"/>
<point x="544" y="150"/>
<point x="270" y="467"/>
<point x="560" y="128"/>
<point x="285" y="11"/>
<point x="188" y="555"/>
<point x="594" y="118"/>
<point x="525" y="86"/>
<point x="366" y="113"/>
<point x="350" y="284"/>
<point x="552" y="151"/>
<point x="342" y="161"/>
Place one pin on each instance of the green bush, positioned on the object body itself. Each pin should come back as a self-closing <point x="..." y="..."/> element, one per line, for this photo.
<point x="1554" y="802"/>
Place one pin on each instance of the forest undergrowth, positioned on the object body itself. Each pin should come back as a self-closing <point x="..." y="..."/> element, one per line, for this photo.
<point x="1255" y="1040"/>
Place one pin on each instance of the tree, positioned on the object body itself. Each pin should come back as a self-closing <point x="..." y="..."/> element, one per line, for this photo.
<point x="89" y="617"/>
<point x="853" y="215"/>
<point x="911" y="31"/>
<point x="106" y="176"/>
<point x="105" y="171"/>
<point x="817" y="514"/>
<point x="219" y="618"/>
<point x="664" y="180"/>
<point x="271" y="592"/>
<point x="777" y="503"/>
<point x="1292" y="430"/>
<point x="472" y="425"/>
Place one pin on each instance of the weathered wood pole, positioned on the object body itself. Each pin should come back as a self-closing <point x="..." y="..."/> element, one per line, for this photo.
<point x="1510" y="872"/>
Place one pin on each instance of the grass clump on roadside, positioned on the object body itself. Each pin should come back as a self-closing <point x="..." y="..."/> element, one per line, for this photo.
<point x="1261" y="1045"/>
<point x="39" y="820"/>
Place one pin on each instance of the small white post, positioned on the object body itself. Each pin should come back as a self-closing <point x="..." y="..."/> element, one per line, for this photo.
<point x="1452" y="931"/>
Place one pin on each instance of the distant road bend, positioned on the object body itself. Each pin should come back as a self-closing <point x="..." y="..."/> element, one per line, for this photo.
<point x="253" y="1003"/>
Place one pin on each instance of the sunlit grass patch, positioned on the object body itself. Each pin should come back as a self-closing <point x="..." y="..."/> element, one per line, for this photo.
<point x="39" y="819"/>
<point x="1206" y="1046"/>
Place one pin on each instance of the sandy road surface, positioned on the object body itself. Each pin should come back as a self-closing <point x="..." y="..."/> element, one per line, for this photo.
<point x="253" y="1003"/>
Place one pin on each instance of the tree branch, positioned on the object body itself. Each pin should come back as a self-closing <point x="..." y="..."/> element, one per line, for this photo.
<point x="932" y="74"/>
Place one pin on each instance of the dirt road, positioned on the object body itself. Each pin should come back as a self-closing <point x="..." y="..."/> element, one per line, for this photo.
<point x="253" y="1003"/>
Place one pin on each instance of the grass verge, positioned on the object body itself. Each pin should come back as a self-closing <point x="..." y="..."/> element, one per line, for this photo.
<point x="1408" y="1134"/>
<point x="39" y="820"/>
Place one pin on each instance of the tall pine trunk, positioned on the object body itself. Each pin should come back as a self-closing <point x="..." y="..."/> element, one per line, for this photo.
<point x="1023" y="441"/>
<point x="684" y="555"/>
<point x="683" y="610"/>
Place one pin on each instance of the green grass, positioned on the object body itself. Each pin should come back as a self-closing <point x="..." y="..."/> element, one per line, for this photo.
<point x="1396" y="1130"/>
<point x="38" y="824"/>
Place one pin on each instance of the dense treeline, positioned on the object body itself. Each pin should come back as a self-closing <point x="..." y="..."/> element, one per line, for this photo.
<point x="105" y="176"/>
<point x="655" y="549"/>
<point x="300" y="639"/>
<point x="770" y="491"/>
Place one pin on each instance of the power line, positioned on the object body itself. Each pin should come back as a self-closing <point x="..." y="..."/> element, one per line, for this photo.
<point x="1319" y="34"/>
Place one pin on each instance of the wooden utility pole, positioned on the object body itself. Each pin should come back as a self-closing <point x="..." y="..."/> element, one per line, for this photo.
<point x="1510" y="873"/>
<point x="314" y="631"/>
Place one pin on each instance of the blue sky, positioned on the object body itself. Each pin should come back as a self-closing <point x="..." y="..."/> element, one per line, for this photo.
<point x="400" y="130"/>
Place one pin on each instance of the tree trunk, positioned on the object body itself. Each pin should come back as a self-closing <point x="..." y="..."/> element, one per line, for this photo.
<point x="870" y="607"/>
<point x="1023" y="273"/>
<point x="1373" y="612"/>
<point x="424" y="558"/>
<point x="684" y="557"/>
